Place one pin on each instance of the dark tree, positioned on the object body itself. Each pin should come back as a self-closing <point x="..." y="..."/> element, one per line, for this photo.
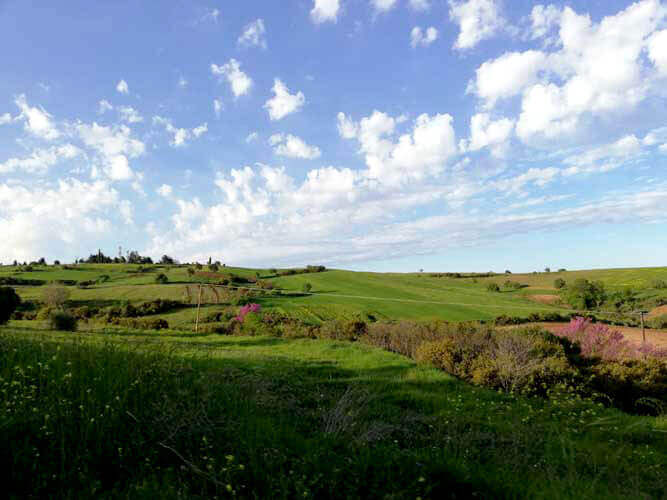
<point x="9" y="301"/>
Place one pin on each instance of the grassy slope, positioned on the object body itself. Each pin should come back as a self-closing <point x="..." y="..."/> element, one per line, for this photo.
<point x="428" y="432"/>
<point x="344" y="293"/>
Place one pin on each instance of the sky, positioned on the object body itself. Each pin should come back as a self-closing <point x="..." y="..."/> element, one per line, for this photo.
<point x="386" y="135"/>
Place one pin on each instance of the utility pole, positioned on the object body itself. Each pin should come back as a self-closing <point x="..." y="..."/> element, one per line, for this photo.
<point x="198" y="306"/>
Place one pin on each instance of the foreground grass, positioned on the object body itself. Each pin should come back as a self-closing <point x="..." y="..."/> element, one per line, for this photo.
<point x="174" y="414"/>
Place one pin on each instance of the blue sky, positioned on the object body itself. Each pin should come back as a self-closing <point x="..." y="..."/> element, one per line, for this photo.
<point x="366" y="134"/>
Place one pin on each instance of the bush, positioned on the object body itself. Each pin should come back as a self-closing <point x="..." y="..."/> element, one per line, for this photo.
<point x="659" y="284"/>
<point x="55" y="296"/>
<point x="307" y="287"/>
<point x="62" y="320"/>
<point x="142" y="323"/>
<point x="493" y="287"/>
<point x="161" y="278"/>
<point x="9" y="301"/>
<point x="343" y="330"/>
<point x="583" y="294"/>
<point x="659" y="322"/>
<point x="85" y="284"/>
<point x="103" y="278"/>
<point x="559" y="283"/>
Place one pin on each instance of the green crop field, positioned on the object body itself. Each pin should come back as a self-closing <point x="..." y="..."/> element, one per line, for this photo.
<point x="116" y="411"/>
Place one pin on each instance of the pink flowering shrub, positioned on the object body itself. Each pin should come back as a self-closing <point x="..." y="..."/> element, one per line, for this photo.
<point x="247" y="309"/>
<point x="596" y="340"/>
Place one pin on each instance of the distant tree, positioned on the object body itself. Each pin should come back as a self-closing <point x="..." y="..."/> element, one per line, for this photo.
<point x="583" y="294"/>
<point x="307" y="287"/>
<point x="547" y="270"/>
<point x="167" y="260"/>
<point x="41" y="261"/>
<point x="257" y="274"/>
<point x="9" y="301"/>
<point x="198" y="266"/>
<point x="55" y="296"/>
<point x="134" y="258"/>
<point x="161" y="279"/>
<point x="191" y="272"/>
<point x="559" y="283"/>
<point x="421" y="270"/>
<point x="507" y="271"/>
<point x="209" y="261"/>
<point x="213" y="267"/>
<point x="15" y="264"/>
<point x="562" y="270"/>
<point x="56" y="262"/>
<point x="493" y="287"/>
<point x="273" y="270"/>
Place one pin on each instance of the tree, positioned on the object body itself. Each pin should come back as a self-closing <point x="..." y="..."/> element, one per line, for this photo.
<point x="198" y="266"/>
<point x="493" y="287"/>
<point x="191" y="272"/>
<point x="547" y="269"/>
<point x="9" y="301"/>
<point x="213" y="267"/>
<point x="583" y="294"/>
<point x="559" y="283"/>
<point x="161" y="279"/>
<point x="42" y="261"/>
<point x="56" y="262"/>
<point x="167" y="260"/>
<point x="55" y="296"/>
<point x="307" y="287"/>
<point x="507" y="271"/>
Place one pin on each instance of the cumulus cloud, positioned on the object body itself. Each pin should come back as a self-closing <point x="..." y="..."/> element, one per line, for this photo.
<point x="347" y="128"/>
<point x="477" y="20"/>
<point x="543" y="20"/>
<point x="283" y="103"/>
<point x="485" y="132"/>
<point x="66" y="219"/>
<point x="424" y="38"/>
<point x="254" y="35"/>
<point x="595" y="68"/>
<point x="217" y="107"/>
<point x="251" y="137"/>
<point x="325" y="11"/>
<point x="180" y="136"/>
<point x="40" y="160"/>
<point x="114" y="147"/>
<point x="239" y="82"/>
<point x="5" y="118"/>
<point x="657" y="51"/>
<point x="38" y="121"/>
<point x="122" y="87"/>
<point x="292" y="146"/>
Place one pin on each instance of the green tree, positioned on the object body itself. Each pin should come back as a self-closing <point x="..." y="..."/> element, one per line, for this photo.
<point x="307" y="287"/>
<point x="584" y="294"/>
<point x="9" y="301"/>
<point x="559" y="283"/>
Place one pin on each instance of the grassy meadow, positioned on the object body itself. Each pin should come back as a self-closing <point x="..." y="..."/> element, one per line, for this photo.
<point x="109" y="411"/>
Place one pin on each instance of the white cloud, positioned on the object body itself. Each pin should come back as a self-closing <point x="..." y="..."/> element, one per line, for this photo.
<point x="251" y="137"/>
<point x="180" y="136"/>
<point x="37" y="120"/>
<point x="239" y="82"/>
<point x="63" y="220"/>
<point x="104" y="106"/>
<point x="217" y="107"/>
<point x="129" y="114"/>
<point x="347" y="128"/>
<point x="655" y="136"/>
<point x="420" y="5"/>
<point x="324" y="11"/>
<point x="5" y="118"/>
<point x="383" y="5"/>
<point x="537" y="176"/>
<point x="543" y="20"/>
<point x="423" y="38"/>
<point x="486" y="132"/>
<point x="254" y="35"/>
<point x="164" y="190"/>
<point x="596" y="68"/>
<point x="507" y="75"/>
<point x="283" y="103"/>
<point x="477" y="20"/>
<point x="113" y="145"/>
<point x="604" y="158"/>
<point x="182" y="82"/>
<point x="40" y="160"/>
<point x="122" y="87"/>
<point x="657" y="51"/>
<point x="293" y="147"/>
<point x="414" y="157"/>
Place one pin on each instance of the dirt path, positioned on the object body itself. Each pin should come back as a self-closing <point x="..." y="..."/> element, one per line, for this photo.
<point x="656" y="337"/>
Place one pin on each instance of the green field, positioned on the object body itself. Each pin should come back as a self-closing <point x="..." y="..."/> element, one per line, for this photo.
<point x="180" y="415"/>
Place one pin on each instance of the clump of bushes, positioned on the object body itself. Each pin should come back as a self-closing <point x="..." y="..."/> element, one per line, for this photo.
<point x="583" y="294"/>
<point x="85" y="284"/>
<point x="559" y="283"/>
<point x="161" y="279"/>
<point x="515" y="285"/>
<point x="63" y="321"/>
<point x="492" y="287"/>
<point x="142" y="323"/>
<point x="9" y="302"/>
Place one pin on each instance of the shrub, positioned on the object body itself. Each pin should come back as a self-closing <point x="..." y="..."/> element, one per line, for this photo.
<point x="191" y="272"/>
<point x="161" y="278"/>
<point x="247" y="309"/>
<point x="583" y="294"/>
<point x="559" y="283"/>
<point x="659" y="322"/>
<point x="307" y="287"/>
<point x="103" y="278"/>
<point x="493" y="287"/>
<point x="142" y="323"/>
<point x="55" y="296"/>
<point x="213" y="267"/>
<point x="9" y="301"/>
<point x="62" y="320"/>
<point x="343" y="330"/>
<point x="85" y="284"/>
<point x="659" y="284"/>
